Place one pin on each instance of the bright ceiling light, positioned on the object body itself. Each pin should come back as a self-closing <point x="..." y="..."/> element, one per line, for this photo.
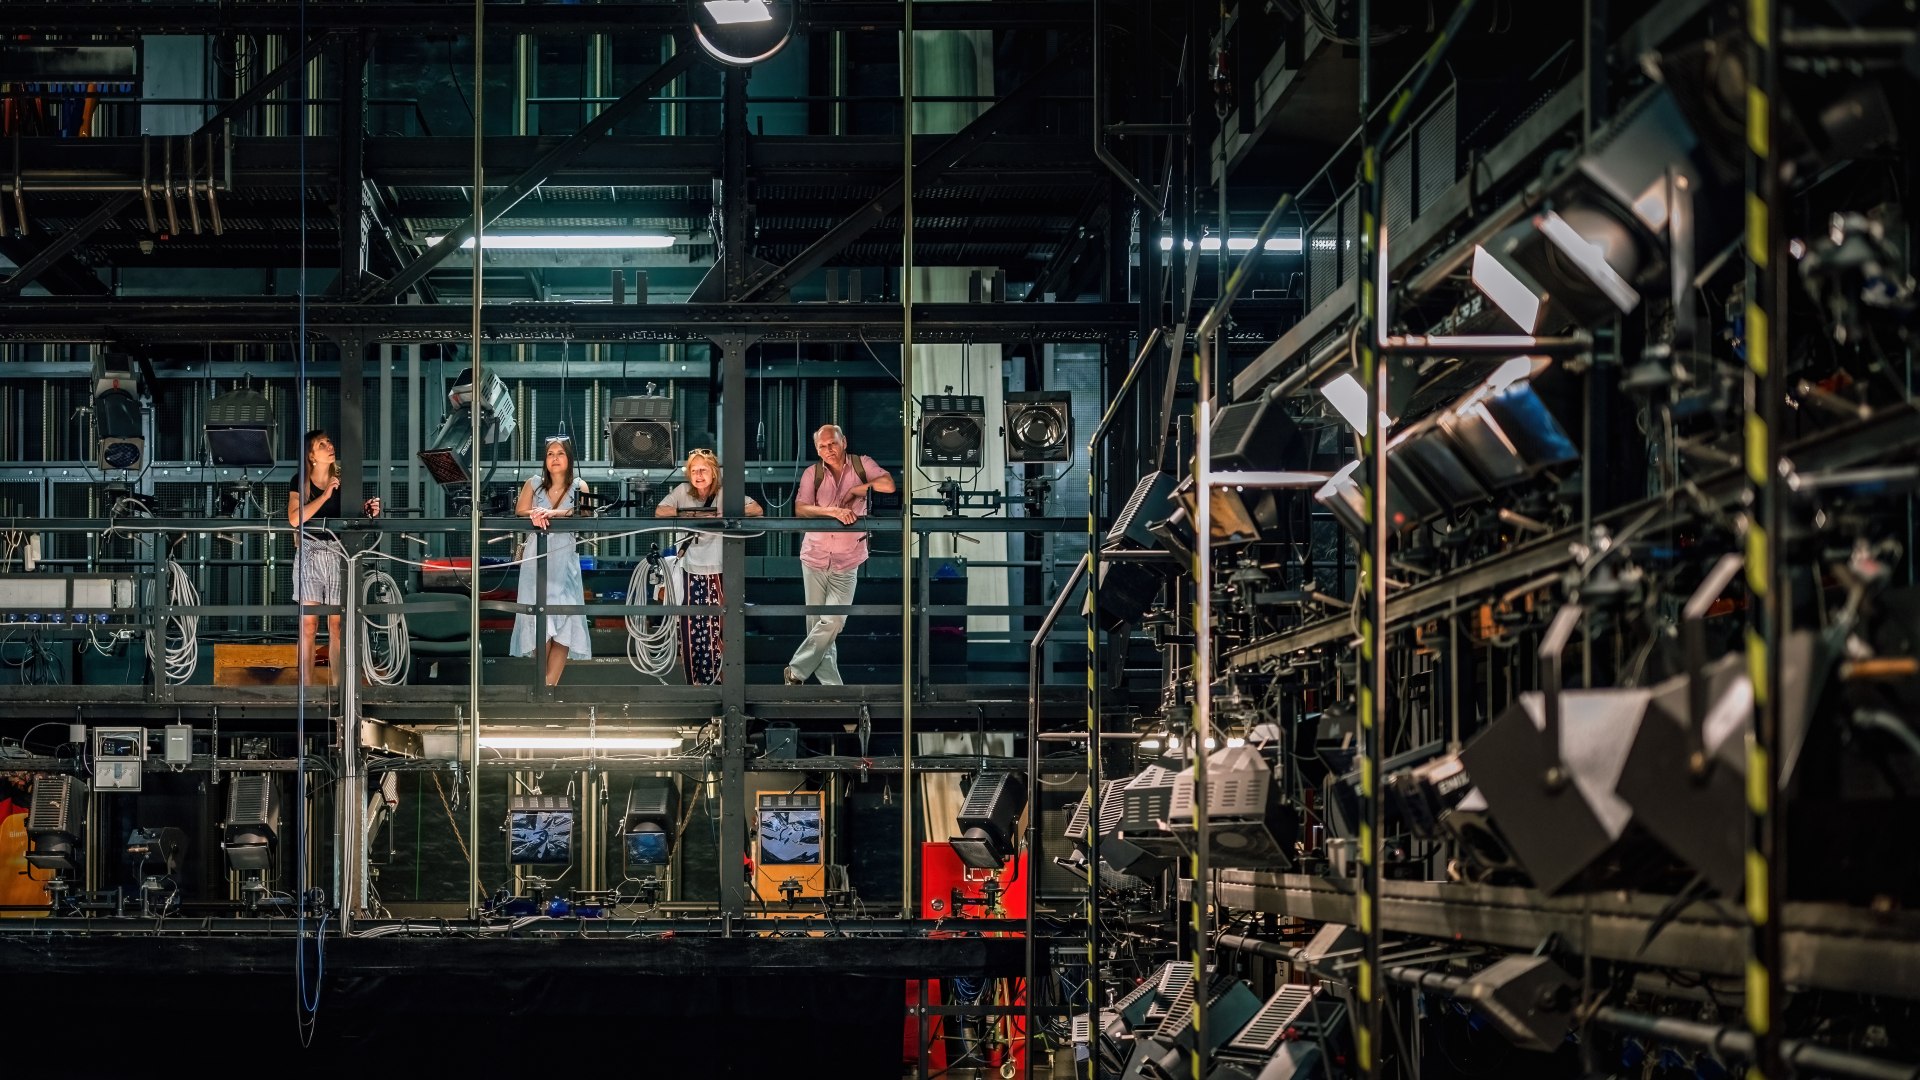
<point x="566" y="242"/>
<point x="1238" y="243"/>
<point x="580" y="742"/>
<point x="737" y="12"/>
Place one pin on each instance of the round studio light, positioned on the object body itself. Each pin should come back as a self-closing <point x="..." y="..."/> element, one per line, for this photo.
<point x="741" y="32"/>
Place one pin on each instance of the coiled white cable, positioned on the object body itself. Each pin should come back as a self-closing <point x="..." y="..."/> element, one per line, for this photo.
<point x="383" y="635"/>
<point x="173" y="647"/>
<point x="653" y="649"/>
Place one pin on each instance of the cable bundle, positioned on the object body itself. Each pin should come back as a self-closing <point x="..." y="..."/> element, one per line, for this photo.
<point x="386" y="652"/>
<point x="652" y="649"/>
<point x="173" y="646"/>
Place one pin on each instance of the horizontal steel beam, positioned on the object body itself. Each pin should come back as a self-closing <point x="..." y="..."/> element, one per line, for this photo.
<point x="416" y="19"/>
<point x="1828" y="946"/>
<point x="44" y="320"/>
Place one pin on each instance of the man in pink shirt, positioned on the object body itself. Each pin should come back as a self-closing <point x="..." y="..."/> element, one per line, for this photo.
<point x="830" y="561"/>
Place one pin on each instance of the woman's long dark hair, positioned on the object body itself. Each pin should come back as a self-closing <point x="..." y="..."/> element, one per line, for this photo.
<point x="546" y="474"/>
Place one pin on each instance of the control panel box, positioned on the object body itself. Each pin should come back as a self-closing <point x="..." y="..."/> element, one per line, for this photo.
<point x="119" y="755"/>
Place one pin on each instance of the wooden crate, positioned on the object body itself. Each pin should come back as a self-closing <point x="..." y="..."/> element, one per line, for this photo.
<point x="260" y="665"/>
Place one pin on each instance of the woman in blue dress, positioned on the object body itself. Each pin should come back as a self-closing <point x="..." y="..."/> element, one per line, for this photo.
<point x="543" y="498"/>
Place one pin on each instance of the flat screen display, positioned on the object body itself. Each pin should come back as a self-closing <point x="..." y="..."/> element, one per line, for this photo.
<point x="540" y="837"/>
<point x="790" y="837"/>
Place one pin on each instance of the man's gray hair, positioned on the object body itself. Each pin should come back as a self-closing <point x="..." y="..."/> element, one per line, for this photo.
<point x="839" y="436"/>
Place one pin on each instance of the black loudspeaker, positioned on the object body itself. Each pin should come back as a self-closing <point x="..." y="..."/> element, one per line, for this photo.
<point x="640" y="432"/>
<point x="952" y="430"/>
<point x="1256" y="436"/>
<point x="1039" y="425"/>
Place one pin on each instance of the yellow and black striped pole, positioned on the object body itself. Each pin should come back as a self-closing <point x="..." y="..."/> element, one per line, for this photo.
<point x="1372" y="689"/>
<point x="1765" y="387"/>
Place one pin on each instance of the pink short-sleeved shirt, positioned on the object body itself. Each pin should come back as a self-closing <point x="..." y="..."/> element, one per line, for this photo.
<point x="843" y="547"/>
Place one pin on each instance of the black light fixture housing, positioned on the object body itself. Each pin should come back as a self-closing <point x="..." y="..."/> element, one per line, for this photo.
<point x="241" y="429"/>
<point x="1039" y="425"/>
<point x="952" y="430"/>
<point x="640" y="431"/>
<point x="989" y="819"/>
<point x="119" y="420"/>
<point x="56" y="823"/>
<point x="250" y="835"/>
<point x="647" y="829"/>
<point x="474" y="415"/>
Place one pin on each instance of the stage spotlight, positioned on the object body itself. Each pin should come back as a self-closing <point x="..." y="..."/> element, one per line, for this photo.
<point x="56" y="823"/>
<point x="1249" y="823"/>
<point x="1611" y="225"/>
<point x="250" y="834"/>
<point x="989" y="819"/>
<point x="119" y="420"/>
<point x="1528" y="999"/>
<point x="1507" y="436"/>
<point x="647" y="830"/>
<point x="240" y="429"/>
<point x="1126" y="590"/>
<point x="485" y="415"/>
<point x="952" y="430"/>
<point x="742" y="32"/>
<point x="1039" y="425"/>
<point x="154" y="852"/>
<point x="640" y="431"/>
<point x="1145" y="804"/>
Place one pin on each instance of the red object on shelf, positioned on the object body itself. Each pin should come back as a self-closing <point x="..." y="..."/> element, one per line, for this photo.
<point x="455" y="574"/>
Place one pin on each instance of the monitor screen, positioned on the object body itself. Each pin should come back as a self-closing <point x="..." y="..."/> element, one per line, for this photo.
<point x="647" y="848"/>
<point x="540" y="836"/>
<point x="790" y="837"/>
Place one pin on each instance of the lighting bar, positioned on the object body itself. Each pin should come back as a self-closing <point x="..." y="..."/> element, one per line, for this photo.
<point x="580" y="742"/>
<point x="574" y="242"/>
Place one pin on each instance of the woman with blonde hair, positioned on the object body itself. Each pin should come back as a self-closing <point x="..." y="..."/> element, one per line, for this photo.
<point x="700" y="559"/>
<point x="544" y="497"/>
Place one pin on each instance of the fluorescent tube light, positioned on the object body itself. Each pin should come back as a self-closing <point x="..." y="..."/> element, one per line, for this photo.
<point x="557" y="242"/>
<point x="735" y="12"/>
<point x="580" y="742"/>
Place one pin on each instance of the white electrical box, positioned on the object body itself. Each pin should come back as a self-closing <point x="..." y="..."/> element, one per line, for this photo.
<point x="179" y="745"/>
<point x="118" y="756"/>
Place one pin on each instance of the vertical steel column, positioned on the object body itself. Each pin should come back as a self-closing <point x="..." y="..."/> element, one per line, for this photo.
<point x="352" y="184"/>
<point x="473" y="465"/>
<point x="733" y="626"/>
<point x="1766" y="315"/>
<point x="350" y="845"/>
<point x="1372" y="691"/>
<point x="908" y="907"/>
